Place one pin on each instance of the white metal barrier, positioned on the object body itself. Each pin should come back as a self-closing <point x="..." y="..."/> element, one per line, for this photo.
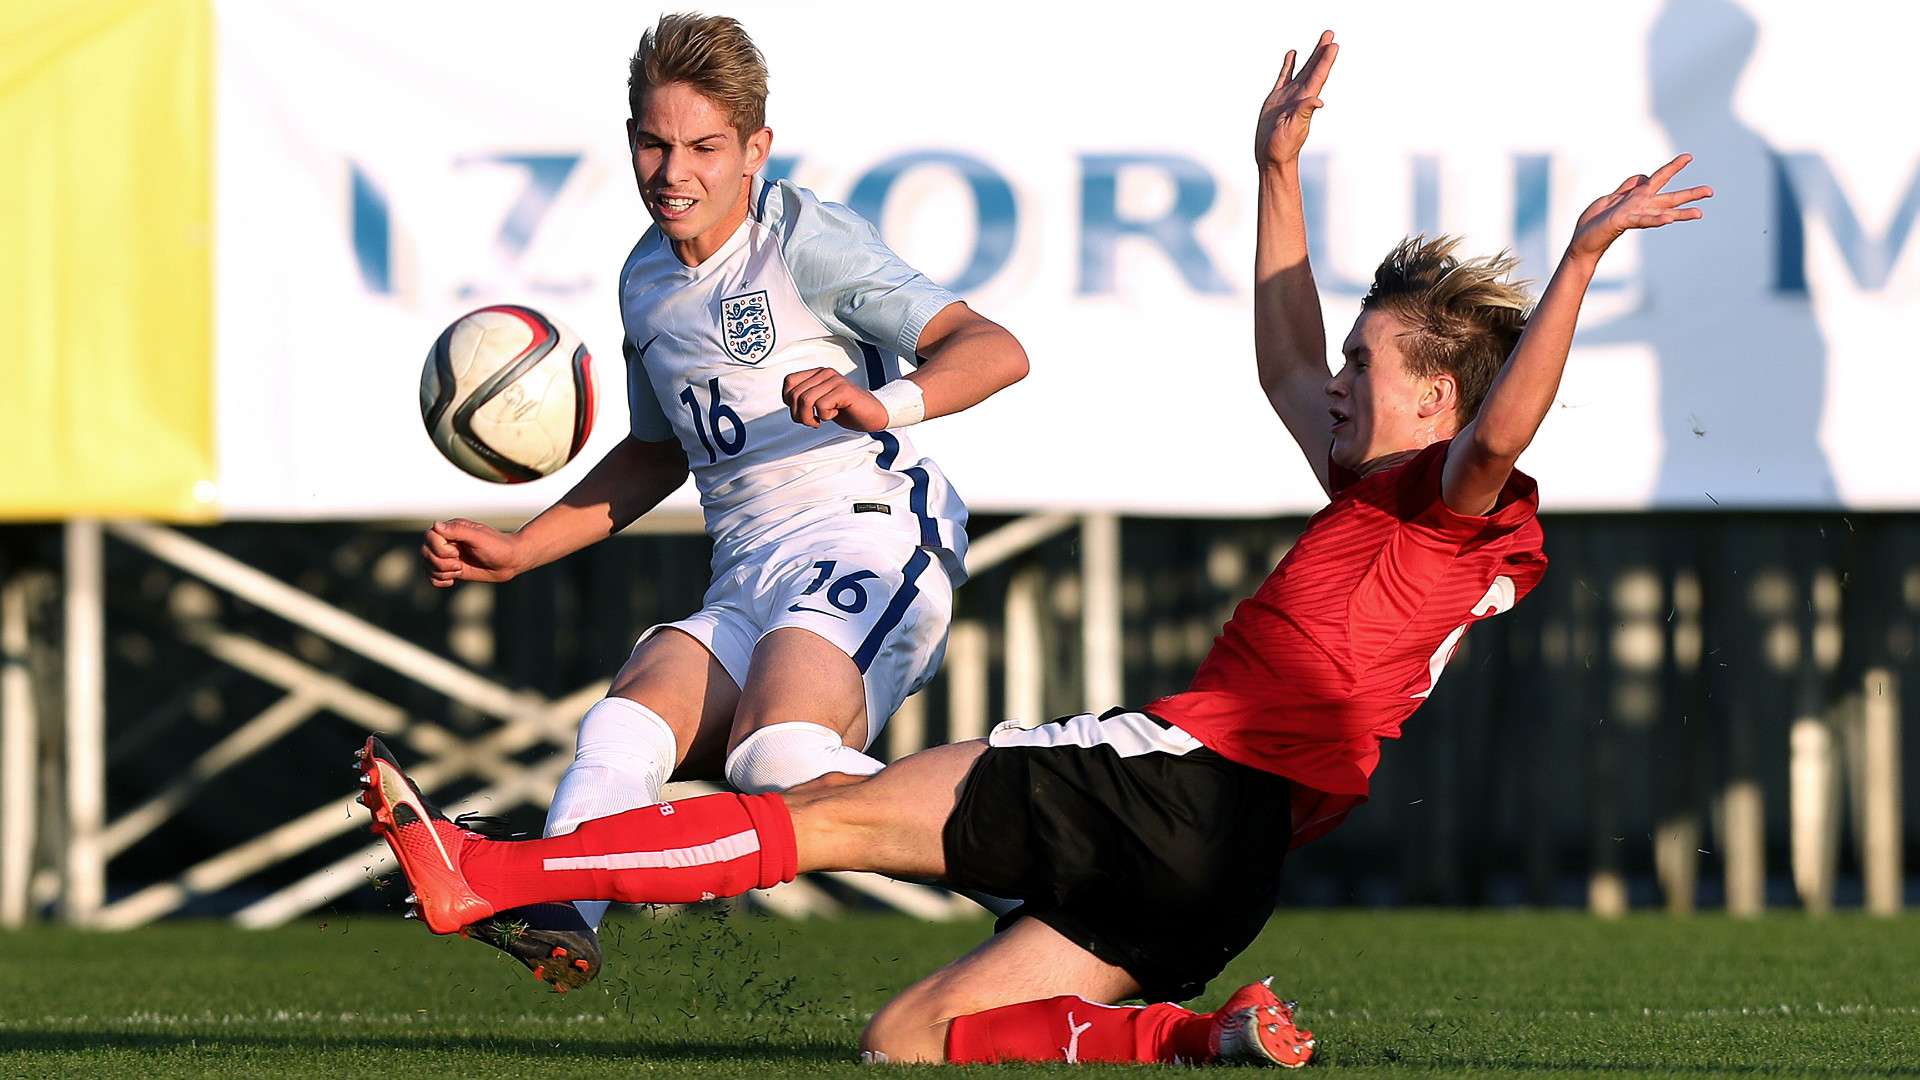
<point x="19" y="722"/>
<point x="522" y="721"/>
<point x="1846" y="761"/>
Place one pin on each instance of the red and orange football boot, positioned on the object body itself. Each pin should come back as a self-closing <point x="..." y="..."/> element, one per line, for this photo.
<point x="427" y="845"/>
<point x="1255" y="1027"/>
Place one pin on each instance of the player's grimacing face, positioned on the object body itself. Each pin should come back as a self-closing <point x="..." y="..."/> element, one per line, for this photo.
<point x="1376" y="407"/>
<point x="692" y="167"/>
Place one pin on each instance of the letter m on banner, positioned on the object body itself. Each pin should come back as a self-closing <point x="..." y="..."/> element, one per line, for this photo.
<point x="1804" y="186"/>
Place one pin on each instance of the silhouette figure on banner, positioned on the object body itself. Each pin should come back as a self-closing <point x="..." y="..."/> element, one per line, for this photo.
<point x="1742" y="365"/>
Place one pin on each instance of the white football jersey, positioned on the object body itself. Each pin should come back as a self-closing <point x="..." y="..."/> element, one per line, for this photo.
<point x="801" y="284"/>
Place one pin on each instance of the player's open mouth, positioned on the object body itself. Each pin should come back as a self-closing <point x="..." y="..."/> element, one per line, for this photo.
<point x="1339" y="419"/>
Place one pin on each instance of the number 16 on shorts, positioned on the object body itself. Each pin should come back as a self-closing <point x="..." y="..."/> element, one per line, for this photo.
<point x="890" y="619"/>
<point x="847" y="593"/>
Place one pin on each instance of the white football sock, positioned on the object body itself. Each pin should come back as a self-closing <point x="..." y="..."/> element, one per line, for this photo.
<point x="780" y="756"/>
<point x="622" y="759"/>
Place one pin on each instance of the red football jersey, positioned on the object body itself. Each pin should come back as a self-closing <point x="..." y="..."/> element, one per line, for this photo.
<point x="1347" y="636"/>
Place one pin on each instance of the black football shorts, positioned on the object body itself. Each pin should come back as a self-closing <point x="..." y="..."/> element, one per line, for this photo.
<point x="1127" y="836"/>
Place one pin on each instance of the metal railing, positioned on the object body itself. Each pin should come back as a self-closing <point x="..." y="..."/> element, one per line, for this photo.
<point x="521" y="721"/>
<point x="1647" y="625"/>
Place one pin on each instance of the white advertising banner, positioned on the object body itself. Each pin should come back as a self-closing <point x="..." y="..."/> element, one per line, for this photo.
<point x="1085" y="177"/>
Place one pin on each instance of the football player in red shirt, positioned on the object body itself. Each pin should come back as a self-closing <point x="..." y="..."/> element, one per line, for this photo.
<point x="1146" y="845"/>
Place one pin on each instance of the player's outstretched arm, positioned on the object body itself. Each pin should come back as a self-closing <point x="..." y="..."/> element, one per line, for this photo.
<point x="1289" y="338"/>
<point x="1484" y="452"/>
<point x="966" y="358"/>
<point x="631" y="480"/>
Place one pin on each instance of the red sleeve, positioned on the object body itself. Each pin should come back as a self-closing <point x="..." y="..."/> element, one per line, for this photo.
<point x="1420" y="555"/>
<point x="1526" y="563"/>
<point x="1424" y="507"/>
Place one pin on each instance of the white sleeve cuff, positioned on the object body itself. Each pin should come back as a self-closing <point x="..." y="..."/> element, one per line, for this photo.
<point x="923" y="312"/>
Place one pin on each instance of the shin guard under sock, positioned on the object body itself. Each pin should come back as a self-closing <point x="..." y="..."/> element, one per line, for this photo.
<point x="622" y="758"/>
<point x="1073" y="1029"/>
<point x="670" y="853"/>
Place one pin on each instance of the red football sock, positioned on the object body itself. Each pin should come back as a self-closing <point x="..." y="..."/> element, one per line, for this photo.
<point x="668" y="853"/>
<point x="1073" y="1029"/>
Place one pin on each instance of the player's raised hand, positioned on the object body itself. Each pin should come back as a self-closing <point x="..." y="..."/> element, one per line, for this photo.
<point x="822" y="394"/>
<point x="1289" y="108"/>
<point x="1638" y="203"/>
<point x="462" y="550"/>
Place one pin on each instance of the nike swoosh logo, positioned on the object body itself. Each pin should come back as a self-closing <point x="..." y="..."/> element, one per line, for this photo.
<point x="648" y="345"/>
<point x="817" y="611"/>
<point x="412" y="801"/>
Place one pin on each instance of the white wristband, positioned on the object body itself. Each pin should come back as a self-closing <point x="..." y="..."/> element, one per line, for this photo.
<point x="906" y="403"/>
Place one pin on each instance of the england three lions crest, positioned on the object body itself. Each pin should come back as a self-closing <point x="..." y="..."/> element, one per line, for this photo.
<point x="746" y="326"/>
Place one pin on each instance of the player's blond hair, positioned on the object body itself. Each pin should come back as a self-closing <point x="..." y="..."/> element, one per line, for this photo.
<point x="710" y="53"/>
<point x="1463" y="318"/>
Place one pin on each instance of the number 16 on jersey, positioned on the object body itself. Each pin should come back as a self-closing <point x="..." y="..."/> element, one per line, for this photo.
<point x="721" y="431"/>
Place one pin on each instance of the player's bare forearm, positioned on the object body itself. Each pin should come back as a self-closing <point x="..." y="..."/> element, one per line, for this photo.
<point x="632" y="479"/>
<point x="1289" y="335"/>
<point x="966" y="359"/>
<point x="1523" y="391"/>
<point x="1484" y="452"/>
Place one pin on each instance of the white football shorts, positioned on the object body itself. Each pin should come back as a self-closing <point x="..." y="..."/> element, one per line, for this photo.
<point x="882" y="600"/>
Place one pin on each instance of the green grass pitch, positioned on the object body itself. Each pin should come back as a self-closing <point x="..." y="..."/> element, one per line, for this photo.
<point x="706" y="995"/>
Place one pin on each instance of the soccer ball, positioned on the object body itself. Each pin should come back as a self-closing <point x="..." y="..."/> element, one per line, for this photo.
<point x="507" y="394"/>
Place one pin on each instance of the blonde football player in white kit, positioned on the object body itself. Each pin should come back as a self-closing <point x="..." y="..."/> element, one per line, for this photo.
<point x="774" y="347"/>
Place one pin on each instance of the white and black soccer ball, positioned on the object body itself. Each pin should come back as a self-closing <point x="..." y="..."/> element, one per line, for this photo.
<point x="507" y="394"/>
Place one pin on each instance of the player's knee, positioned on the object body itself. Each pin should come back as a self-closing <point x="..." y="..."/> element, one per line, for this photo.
<point x="621" y="732"/>
<point x="907" y="1030"/>
<point x="782" y="756"/>
<point x="624" y="754"/>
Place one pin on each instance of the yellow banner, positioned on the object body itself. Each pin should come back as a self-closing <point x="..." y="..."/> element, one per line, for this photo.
<point x="106" y="244"/>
